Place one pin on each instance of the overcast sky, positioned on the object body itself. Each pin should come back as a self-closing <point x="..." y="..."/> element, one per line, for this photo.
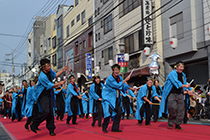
<point x="15" y="18"/>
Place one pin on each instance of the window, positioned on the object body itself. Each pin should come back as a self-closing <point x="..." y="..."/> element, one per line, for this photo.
<point x="76" y="2"/>
<point x="102" y="54"/>
<point x="78" y="17"/>
<point x="105" y="1"/>
<point x="128" y="6"/>
<point x="67" y="31"/>
<point x="80" y="46"/>
<point x="176" y="26"/>
<point x="49" y="42"/>
<point x="83" y="17"/>
<point x="102" y="24"/>
<point x="90" y="21"/>
<point x="90" y="39"/>
<point x="129" y="44"/>
<point x="76" y="48"/>
<point x="72" y="23"/>
<point x="99" y="36"/>
<point x="54" y="59"/>
<point x="95" y="13"/>
<point x="108" y="55"/>
<point x="96" y="37"/>
<point x="84" y="44"/>
<point x="60" y="58"/>
<point x="54" y="42"/>
<point x="108" y="24"/>
<point x="98" y="10"/>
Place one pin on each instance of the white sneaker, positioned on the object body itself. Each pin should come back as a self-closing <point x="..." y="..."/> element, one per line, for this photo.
<point x="90" y="115"/>
<point x="5" y="117"/>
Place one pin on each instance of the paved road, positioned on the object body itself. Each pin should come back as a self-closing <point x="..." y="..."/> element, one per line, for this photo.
<point x="3" y="134"/>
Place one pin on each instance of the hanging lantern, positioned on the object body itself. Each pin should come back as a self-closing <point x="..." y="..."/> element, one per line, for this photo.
<point x="111" y="62"/>
<point x="173" y="43"/>
<point x="78" y="75"/>
<point x="126" y="57"/>
<point x="146" y="51"/>
<point x="97" y="69"/>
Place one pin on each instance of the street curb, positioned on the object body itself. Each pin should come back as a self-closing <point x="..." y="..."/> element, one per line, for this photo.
<point x="7" y="131"/>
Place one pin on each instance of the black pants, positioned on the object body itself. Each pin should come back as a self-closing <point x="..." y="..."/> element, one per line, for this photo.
<point x="145" y="106"/>
<point x="74" y="109"/>
<point x="18" y="108"/>
<point x="45" y="101"/>
<point x="116" y="122"/>
<point x="185" y="112"/>
<point x="155" y="111"/>
<point x="81" y="107"/>
<point x="9" y="112"/>
<point x="60" y="104"/>
<point x="126" y="106"/>
<point x="34" y="113"/>
<point x="98" y="113"/>
<point x="5" y="111"/>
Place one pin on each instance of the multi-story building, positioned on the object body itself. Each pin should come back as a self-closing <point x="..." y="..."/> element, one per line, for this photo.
<point x="78" y="37"/>
<point x="185" y="22"/>
<point x="104" y="38"/>
<point x="136" y="26"/>
<point x="30" y="54"/>
<point x="61" y="11"/>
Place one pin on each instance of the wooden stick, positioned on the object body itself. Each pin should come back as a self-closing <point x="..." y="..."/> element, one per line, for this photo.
<point x="155" y="104"/>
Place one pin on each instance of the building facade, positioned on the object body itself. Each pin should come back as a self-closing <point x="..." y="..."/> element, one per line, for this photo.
<point x="78" y="34"/>
<point x="185" y="23"/>
<point x="130" y="24"/>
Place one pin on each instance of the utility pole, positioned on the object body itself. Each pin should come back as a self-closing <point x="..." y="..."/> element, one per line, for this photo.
<point x="13" y="67"/>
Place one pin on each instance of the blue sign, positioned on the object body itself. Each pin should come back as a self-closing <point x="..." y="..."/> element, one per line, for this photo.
<point x="89" y="64"/>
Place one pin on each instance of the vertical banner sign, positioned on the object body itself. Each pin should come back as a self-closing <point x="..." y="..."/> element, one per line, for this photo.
<point x="89" y="64"/>
<point x="147" y="22"/>
<point x="123" y="64"/>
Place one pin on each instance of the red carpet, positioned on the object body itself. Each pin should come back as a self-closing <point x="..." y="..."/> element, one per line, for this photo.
<point x="130" y="129"/>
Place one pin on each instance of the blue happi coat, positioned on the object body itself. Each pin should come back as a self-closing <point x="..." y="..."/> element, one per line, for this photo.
<point x="14" y="103"/>
<point x="143" y="93"/>
<point x="90" y="104"/>
<point x="171" y="80"/>
<point x="63" y="91"/>
<point x="85" y="103"/>
<point x="70" y="93"/>
<point x="30" y="99"/>
<point x="109" y="94"/>
<point x="130" y="92"/>
<point x="24" y="100"/>
<point x="94" y="95"/>
<point x="45" y="83"/>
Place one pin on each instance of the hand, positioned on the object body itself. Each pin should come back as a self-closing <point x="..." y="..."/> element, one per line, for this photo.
<point x="100" y="99"/>
<point x="159" y="101"/>
<point x="79" y="97"/>
<point x="190" y="93"/>
<point x="160" y="97"/>
<point x="150" y="102"/>
<point x="129" y="96"/>
<point x="187" y="85"/>
<point x="64" y="68"/>
<point x="62" y="82"/>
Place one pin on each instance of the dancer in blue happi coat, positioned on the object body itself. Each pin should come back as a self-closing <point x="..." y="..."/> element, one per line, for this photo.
<point x="45" y="96"/>
<point x="16" y="104"/>
<point x="31" y="108"/>
<point x="155" y="108"/>
<point x="144" y="101"/>
<point x="95" y="92"/>
<point x="60" y="102"/>
<point x="126" y="103"/>
<point x="172" y="97"/>
<point x="111" y="98"/>
<point x="72" y="101"/>
<point x="23" y="91"/>
<point x="85" y="105"/>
